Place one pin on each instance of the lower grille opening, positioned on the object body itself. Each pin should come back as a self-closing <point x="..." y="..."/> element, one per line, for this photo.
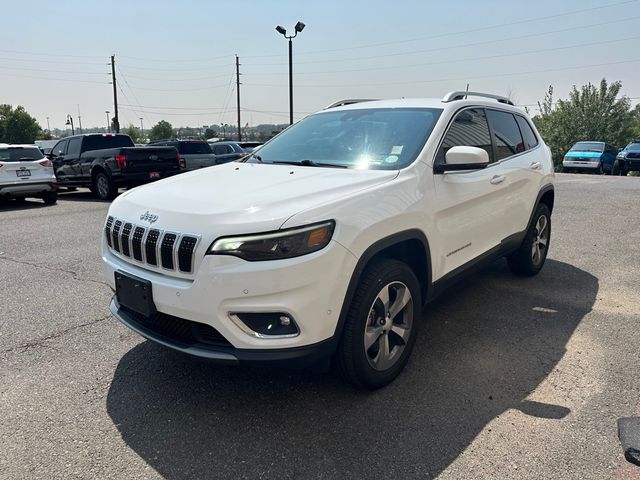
<point x="176" y="328"/>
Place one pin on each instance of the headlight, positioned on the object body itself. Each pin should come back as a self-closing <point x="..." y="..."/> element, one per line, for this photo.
<point x="289" y="243"/>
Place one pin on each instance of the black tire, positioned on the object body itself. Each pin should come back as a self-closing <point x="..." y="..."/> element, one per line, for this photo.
<point x="352" y="359"/>
<point x="50" y="198"/>
<point x="600" y="170"/>
<point x="103" y="187"/>
<point x="616" y="170"/>
<point x="524" y="261"/>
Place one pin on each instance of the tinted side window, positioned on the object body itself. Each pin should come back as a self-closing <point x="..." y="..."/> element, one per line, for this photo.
<point x="191" y="148"/>
<point x="222" y="149"/>
<point x="528" y="135"/>
<point x="100" y="142"/>
<point x="60" y="148"/>
<point x="469" y="129"/>
<point x="74" y="146"/>
<point x="506" y="134"/>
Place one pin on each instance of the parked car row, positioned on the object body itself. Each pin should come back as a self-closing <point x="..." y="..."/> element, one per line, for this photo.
<point x="103" y="163"/>
<point x="602" y="158"/>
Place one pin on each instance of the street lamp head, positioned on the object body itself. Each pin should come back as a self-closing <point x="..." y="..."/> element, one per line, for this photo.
<point x="299" y="27"/>
<point x="281" y="30"/>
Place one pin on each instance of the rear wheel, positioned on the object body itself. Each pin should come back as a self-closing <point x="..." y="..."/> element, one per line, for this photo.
<point x="50" y="198"/>
<point x="104" y="187"/>
<point x="381" y="325"/>
<point x="530" y="257"/>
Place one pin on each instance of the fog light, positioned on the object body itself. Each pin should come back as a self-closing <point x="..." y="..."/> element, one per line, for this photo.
<point x="266" y="325"/>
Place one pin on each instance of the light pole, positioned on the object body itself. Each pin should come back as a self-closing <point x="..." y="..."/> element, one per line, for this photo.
<point x="48" y="126"/>
<point x="70" y="122"/>
<point x="108" y="121"/>
<point x="141" y="129"/>
<point x="298" y="28"/>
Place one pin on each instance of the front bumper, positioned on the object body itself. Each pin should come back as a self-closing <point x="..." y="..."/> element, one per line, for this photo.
<point x="310" y="289"/>
<point x="581" y="165"/>
<point x="300" y="357"/>
<point x="632" y="164"/>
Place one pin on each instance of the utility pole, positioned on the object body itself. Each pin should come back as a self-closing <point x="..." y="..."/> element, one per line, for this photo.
<point x="79" y="120"/>
<point x="141" y="129"/>
<point x="115" y="94"/>
<point x="238" y="91"/>
<point x="48" y="126"/>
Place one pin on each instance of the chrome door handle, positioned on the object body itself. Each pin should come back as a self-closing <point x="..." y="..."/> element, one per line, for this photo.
<point x="496" y="179"/>
<point x="535" y="165"/>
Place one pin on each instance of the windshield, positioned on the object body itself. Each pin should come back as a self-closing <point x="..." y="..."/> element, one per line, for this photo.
<point x="588" y="147"/>
<point x="633" y="146"/>
<point x="379" y="139"/>
<point x="17" y="154"/>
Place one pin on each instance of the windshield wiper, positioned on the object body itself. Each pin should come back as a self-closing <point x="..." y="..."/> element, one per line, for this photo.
<point x="311" y="163"/>
<point x="252" y="155"/>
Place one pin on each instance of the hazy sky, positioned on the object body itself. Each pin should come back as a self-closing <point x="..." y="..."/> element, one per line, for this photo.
<point x="176" y="59"/>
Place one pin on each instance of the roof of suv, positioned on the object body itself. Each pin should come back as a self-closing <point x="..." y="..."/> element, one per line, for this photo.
<point x="427" y="103"/>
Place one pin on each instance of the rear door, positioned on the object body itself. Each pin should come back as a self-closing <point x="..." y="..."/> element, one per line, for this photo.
<point x="19" y="165"/>
<point x="519" y="167"/>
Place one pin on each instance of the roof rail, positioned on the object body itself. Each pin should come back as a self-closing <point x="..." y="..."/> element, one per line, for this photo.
<point x="461" y="95"/>
<point x="349" y="101"/>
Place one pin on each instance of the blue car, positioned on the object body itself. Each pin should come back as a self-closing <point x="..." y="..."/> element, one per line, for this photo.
<point x="592" y="157"/>
<point x="628" y="159"/>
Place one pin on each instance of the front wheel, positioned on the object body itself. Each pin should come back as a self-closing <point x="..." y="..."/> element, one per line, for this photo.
<point x="104" y="187"/>
<point x="381" y="325"/>
<point x="530" y="257"/>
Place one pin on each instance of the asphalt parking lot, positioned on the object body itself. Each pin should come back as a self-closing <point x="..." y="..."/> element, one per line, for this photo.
<point x="510" y="377"/>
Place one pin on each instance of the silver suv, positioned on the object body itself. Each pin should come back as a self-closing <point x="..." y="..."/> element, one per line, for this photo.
<point x="25" y="172"/>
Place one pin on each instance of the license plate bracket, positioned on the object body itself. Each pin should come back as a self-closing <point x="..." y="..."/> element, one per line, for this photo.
<point x="134" y="293"/>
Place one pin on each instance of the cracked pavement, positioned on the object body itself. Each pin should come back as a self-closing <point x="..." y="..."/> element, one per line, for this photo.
<point x="510" y="377"/>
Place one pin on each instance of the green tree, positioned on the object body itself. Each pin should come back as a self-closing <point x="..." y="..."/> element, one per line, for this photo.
<point x="591" y="113"/>
<point x="160" y="130"/>
<point x="17" y="126"/>
<point x="133" y="132"/>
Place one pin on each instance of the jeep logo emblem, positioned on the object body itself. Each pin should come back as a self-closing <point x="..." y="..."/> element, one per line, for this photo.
<point x="148" y="217"/>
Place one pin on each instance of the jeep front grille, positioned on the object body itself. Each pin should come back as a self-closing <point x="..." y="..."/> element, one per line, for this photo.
<point x="167" y="250"/>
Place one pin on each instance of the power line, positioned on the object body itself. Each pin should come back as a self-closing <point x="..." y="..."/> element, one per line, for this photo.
<point x="53" y="78"/>
<point x="459" y="32"/>
<point x="414" y="82"/>
<point x="462" y="60"/>
<point x="452" y="47"/>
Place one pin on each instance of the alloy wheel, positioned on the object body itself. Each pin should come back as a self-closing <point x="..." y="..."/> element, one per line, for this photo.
<point x="389" y="324"/>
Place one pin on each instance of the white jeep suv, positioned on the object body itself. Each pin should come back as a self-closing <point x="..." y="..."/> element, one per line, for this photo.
<point x="329" y="240"/>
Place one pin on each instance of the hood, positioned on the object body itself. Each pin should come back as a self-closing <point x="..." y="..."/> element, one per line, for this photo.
<point x="241" y="197"/>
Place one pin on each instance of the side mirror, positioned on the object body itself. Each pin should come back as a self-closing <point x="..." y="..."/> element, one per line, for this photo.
<point x="464" y="158"/>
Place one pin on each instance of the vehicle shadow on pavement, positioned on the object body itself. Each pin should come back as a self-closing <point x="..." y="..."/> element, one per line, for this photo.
<point x="483" y="348"/>
<point x="29" y="204"/>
